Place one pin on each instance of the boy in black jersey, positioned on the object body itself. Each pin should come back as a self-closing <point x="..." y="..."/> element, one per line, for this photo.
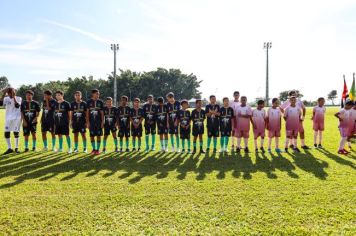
<point x="110" y="122"/>
<point x="212" y="113"/>
<point x="30" y="111"/>
<point x="79" y="120"/>
<point x="136" y="118"/>
<point x="183" y="117"/>
<point x="162" y="123"/>
<point x="150" y="110"/>
<point x="47" y="119"/>
<point x="96" y="120"/>
<point x="198" y="117"/>
<point x="226" y="123"/>
<point x="62" y="120"/>
<point x="123" y="114"/>
<point x="173" y="107"/>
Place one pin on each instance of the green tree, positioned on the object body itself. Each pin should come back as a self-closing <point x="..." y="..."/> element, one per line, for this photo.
<point x="4" y="82"/>
<point x="332" y="96"/>
<point x="283" y="96"/>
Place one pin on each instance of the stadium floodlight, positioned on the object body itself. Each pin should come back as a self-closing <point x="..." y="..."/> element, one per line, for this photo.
<point x="115" y="48"/>
<point x="267" y="46"/>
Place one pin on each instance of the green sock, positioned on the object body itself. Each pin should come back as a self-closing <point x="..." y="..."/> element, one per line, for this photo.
<point x="161" y="143"/>
<point x="209" y="141"/>
<point x="69" y="143"/>
<point x="177" y="140"/>
<point x="115" y="142"/>
<point x="139" y="143"/>
<point x="166" y="143"/>
<point x="98" y="143"/>
<point x="26" y="144"/>
<point x="183" y="143"/>
<point x="172" y="140"/>
<point x="222" y="141"/>
<point x="60" y="141"/>
<point x="188" y="144"/>
<point x="147" y="137"/>
<point x="153" y="140"/>
<point x="194" y="144"/>
<point x="75" y="145"/>
<point x="45" y="144"/>
<point x="104" y="143"/>
<point x="226" y="141"/>
<point x="215" y="141"/>
<point x="53" y="142"/>
<point x="34" y="143"/>
<point x="134" y="143"/>
<point x="201" y="144"/>
<point x="121" y="143"/>
<point x="85" y="144"/>
<point x="127" y="143"/>
<point x="93" y="145"/>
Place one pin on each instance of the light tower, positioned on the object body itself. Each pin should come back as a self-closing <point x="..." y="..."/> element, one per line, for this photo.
<point x="267" y="46"/>
<point x="115" y="48"/>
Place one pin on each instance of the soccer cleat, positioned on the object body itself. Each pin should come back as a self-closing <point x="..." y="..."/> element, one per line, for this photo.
<point x="208" y="150"/>
<point x="278" y="150"/>
<point x="214" y="150"/>
<point x="286" y="149"/>
<point x="17" y="150"/>
<point x="104" y="150"/>
<point x="343" y="152"/>
<point x="238" y="150"/>
<point x="45" y="149"/>
<point x="172" y="149"/>
<point x="97" y="152"/>
<point x="262" y="150"/>
<point x="183" y="150"/>
<point x="138" y="149"/>
<point x="33" y="149"/>
<point x="194" y="150"/>
<point x="75" y="150"/>
<point x="60" y="150"/>
<point x="346" y="151"/>
<point x="291" y="146"/>
<point x="202" y="150"/>
<point x="189" y="151"/>
<point x="153" y="149"/>
<point x="127" y="150"/>
<point x="8" y="151"/>
<point x="70" y="151"/>
<point x="256" y="150"/>
<point x="269" y="150"/>
<point x="26" y="150"/>
<point x="85" y="150"/>
<point x="305" y="147"/>
<point x="134" y="149"/>
<point x="93" y="152"/>
<point x="116" y="150"/>
<point x="178" y="150"/>
<point x="320" y="146"/>
<point x="54" y="150"/>
<point x="296" y="149"/>
<point x="246" y="150"/>
<point x="315" y="145"/>
<point x="147" y="149"/>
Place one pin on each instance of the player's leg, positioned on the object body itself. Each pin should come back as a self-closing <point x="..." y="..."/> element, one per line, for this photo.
<point x="26" y="139"/>
<point x="76" y="141"/>
<point x="147" y="137"/>
<point x="53" y="135"/>
<point x="115" y="141"/>
<point x="44" y="140"/>
<point x="104" y="142"/>
<point x="98" y="143"/>
<point x="320" y="138"/>
<point x="92" y="141"/>
<point x="246" y="136"/>
<point x="262" y="142"/>
<point x="60" y="143"/>
<point x="84" y="140"/>
<point x="133" y="142"/>
<point x="69" y="142"/>
<point x="34" y="140"/>
<point x="153" y="136"/>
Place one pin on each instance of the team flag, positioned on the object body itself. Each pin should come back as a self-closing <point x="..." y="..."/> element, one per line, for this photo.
<point x="345" y="94"/>
<point x="352" y="93"/>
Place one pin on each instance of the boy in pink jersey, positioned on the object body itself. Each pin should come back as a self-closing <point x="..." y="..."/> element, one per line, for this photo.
<point x="243" y="114"/>
<point x="318" y="121"/>
<point x="273" y="121"/>
<point x="301" y="106"/>
<point x="352" y="125"/>
<point x="258" y="120"/>
<point x="234" y="104"/>
<point x="292" y="116"/>
<point x="344" y="118"/>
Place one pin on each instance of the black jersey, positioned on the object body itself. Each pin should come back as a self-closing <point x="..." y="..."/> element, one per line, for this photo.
<point x="61" y="116"/>
<point x="29" y="110"/>
<point x="172" y="111"/>
<point x="95" y="108"/>
<point x="79" y="112"/>
<point x="212" y="120"/>
<point x="198" y="118"/>
<point x="184" y="117"/>
<point x="162" y="115"/>
<point x="48" y="112"/>
<point x="123" y="115"/>
<point x="136" y="115"/>
<point x="150" y="111"/>
<point x="226" y="116"/>
<point x="110" y="116"/>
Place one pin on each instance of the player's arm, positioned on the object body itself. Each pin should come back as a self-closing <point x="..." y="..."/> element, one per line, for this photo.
<point x="285" y="115"/>
<point x="37" y="113"/>
<point x="23" y="118"/>
<point x="337" y="115"/>
<point x="313" y="114"/>
<point x="102" y="117"/>
<point x="87" y="119"/>
<point x="253" y="123"/>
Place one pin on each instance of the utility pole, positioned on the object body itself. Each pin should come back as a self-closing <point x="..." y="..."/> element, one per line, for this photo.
<point x="115" y="48"/>
<point x="267" y="46"/>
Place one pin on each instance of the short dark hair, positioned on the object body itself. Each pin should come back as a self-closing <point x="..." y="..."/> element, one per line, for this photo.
<point x="321" y="98"/>
<point x="48" y="92"/>
<point x="160" y="100"/>
<point x="94" y="91"/>
<point x="260" y="102"/>
<point x="60" y="92"/>
<point x="108" y="98"/>
<point x="184" y="101"/>
<point x="125" y="97"/>
<point x="197" y="100"/>
<point x="30" y="92"/>
<point x="225" y="98"/>
<point x="212" y="96"/>
<point x="349" y="102"/>
<point x="292" y="92"/>
<point x="236" y="93"/>
<point x="78" y="92"/>
<point x="243" y="97"/>
<point x="274" y="100"/>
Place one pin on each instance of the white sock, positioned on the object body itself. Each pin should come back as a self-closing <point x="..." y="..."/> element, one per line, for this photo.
<point x="315" y="136"/>
<point x="287" y="142"/>
<point x="16" y="142"/>
<point x="8" y="141"/>
<point x="320" y="136"/>
<point x="238" y="143"/>
<point x="277" y="142"/>
<point x="255" y="141"/>
<point x="233" y="138"/>
<point x="262" y="142"/>
<point x="342" y="143"/>
<point x="269" y="143"/>
<point x="246" y="142"/>
<point x="302" y="142"/>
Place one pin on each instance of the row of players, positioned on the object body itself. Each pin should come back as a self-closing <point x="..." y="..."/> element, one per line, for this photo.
<point x="173" y="118"/>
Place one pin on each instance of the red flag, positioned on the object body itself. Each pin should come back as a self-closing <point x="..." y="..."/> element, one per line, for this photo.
<point x="345" y="93"/>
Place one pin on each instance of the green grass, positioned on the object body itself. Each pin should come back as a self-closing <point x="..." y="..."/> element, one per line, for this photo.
<point x="313" y="192"/>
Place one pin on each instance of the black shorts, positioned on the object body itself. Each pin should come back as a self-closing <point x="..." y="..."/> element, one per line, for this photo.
<point x="184" y="133"/>
<point x="197" y="130"/>
<point x="124" y="132"/>
<point x="213" y="131"/>
<point x="61" y="129"/>
<point x="108" y="130"/>
<point x="136" y="132"/>
<point x="78" y="128"/>
<point x="31" y="128"/>
<point x="173" y="129"/>
<point x="225" y="132"/>
<point x="47" y="126"/>
<point x="162" y="130"/>
<point x="150" y="128"/>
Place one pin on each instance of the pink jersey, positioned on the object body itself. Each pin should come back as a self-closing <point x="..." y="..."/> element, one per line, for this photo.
<point x="298" y="104"/>
<point x="243" y="124"/>
<point x="344" y="123"/>
<point x="274" y="119"/>
<point x="234" y="105"/>
<point x="292" y="115"/>
<point x="352" y="123"/>
<point x="259" y="120"/>
<point x="319" y="117"/>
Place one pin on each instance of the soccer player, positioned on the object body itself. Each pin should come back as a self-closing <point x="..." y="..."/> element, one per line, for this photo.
<point x="30" y="111"/>
<point x="183" y="117"/>
<point x="258" y="121"/>
<point x="96" y="120"/>
<point x="12" y="117"/>
<point x="47" y="119"/>
<point x="136" y="117"/>
<point x="226" y="124"/>
<point x="62" y="120"/>
<point x="352" y="125"/>
<point x="162" y="123"/>
<point x="124" y="112"/>
<point x="318" y="121"/>
<point x="212" y="113"/>
<point x="150" y="110"/>
<point x="292" y="116"/>
<point x="173" y="107"/>
<point x="301" y="106"/>
<point x="234" y="104"/>
<point x="79" y="120"/>
<point x="198" y="117"/>
<point x="344" y="118"/>
<point x="273" y="123"/>
<point x="243" y="114"/>
<point x="110" y="122"/>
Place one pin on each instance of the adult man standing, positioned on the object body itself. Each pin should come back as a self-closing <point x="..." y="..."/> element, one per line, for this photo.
<point x="12" y="117"/>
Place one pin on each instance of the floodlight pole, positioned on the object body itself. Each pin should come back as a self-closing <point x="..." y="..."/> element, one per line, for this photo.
<point x="267" y="46"/>
<point x="115" y="48"/>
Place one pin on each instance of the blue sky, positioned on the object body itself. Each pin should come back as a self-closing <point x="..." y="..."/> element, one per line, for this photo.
<point x="219" y="41"/>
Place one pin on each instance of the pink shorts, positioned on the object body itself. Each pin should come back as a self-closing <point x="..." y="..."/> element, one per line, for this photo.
<point x="318" y="126"/>
<point x="258" y="133"/>
<point x="274" y="133"/>
<point x="242" y="133"/>
<point x="292" y="133"/>
<point x="344" y="132"/>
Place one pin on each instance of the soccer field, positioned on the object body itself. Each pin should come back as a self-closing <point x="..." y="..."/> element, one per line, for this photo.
<point x="313" y="192"/>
